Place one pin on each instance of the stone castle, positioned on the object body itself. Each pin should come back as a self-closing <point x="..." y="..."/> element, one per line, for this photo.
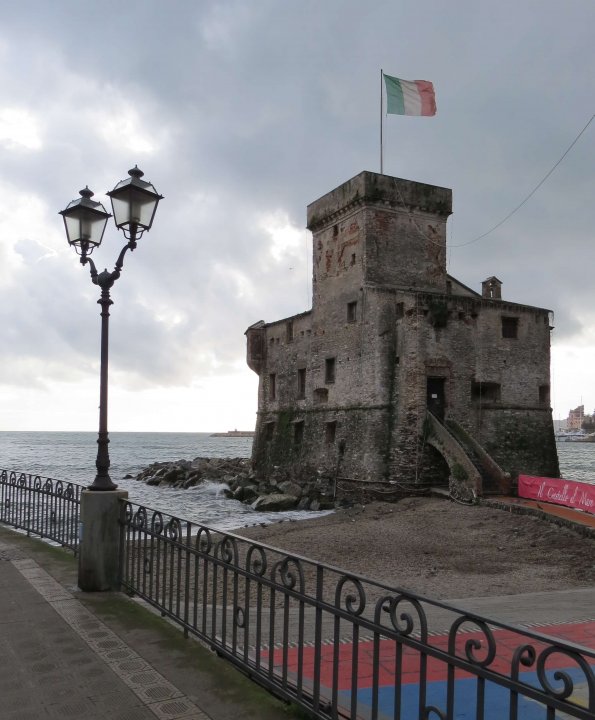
<point x="400" y="376"/>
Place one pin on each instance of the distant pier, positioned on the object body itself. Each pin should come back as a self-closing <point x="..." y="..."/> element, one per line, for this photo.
<point x="234" y="433"/>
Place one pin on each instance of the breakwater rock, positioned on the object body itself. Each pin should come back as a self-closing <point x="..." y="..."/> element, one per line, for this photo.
<point x="273" y="494"/>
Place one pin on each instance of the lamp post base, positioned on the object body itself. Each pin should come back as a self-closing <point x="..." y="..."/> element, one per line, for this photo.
<point x="102" y="482"/>
<point x="99" y="550"/>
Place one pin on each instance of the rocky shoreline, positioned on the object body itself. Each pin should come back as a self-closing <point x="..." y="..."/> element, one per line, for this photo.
<point x="273" y="494"/>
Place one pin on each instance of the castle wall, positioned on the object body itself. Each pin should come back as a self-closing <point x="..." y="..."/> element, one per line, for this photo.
<point x="352" y="398"/>
<point x="496" y="387"/>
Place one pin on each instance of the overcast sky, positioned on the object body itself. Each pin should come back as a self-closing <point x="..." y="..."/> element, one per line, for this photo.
<point x="242" y="113"/>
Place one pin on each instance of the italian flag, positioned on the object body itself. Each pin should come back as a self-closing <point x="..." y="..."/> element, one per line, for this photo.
<point x="409" y="97"/>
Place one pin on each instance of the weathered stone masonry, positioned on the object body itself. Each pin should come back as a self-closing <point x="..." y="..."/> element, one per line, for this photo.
<point x="344" y="388"/>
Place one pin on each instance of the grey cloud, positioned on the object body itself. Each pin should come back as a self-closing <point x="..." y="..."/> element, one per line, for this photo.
<point x="266" y="106"/>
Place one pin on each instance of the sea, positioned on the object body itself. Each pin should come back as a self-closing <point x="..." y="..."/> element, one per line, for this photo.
<point x="70" y="456"/>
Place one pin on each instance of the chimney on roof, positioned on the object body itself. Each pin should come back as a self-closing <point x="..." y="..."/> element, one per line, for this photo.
<point x="492" y="288"/>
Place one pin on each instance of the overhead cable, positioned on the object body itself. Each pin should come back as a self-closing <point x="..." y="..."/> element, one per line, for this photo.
<point x="530" y="195"/>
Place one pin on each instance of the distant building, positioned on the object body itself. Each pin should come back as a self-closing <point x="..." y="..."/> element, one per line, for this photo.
<point x="400" y="375"/>
<point x="575" y="418"/>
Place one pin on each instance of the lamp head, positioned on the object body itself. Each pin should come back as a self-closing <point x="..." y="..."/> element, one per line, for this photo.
<point x="85" y="220"/>
<point x="134" y="202"/>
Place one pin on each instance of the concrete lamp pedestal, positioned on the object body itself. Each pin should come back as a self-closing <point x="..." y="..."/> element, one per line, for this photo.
<point x="99" y="547"/>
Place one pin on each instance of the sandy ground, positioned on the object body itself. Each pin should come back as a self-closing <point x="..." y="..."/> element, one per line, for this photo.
<point x="441" y="549"/>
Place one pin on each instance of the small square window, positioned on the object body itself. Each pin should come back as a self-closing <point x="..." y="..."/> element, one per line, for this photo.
<point x="329" y="370"/>
<point x="486" y="392"/>
<point x="352" y="312"/>
<point x="320" y="395"/>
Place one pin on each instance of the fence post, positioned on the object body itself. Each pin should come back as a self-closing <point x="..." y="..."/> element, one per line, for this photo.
<point x="99" y="539"/>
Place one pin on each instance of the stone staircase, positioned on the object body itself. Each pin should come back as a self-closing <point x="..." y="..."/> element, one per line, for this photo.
<point x="470" y="464"/>
<point x="495" y="480"/>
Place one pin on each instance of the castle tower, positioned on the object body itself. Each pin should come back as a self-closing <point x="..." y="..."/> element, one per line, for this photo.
<point x="382" y="231"/>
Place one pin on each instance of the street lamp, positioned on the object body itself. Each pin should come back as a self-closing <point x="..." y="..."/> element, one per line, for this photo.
<point x="134" y="202"/>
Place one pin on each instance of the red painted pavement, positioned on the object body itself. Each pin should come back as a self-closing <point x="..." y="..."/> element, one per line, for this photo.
<point x="580" y="633"/>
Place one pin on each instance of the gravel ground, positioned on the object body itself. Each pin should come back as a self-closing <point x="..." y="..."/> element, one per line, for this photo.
<point x="441" y="549"/>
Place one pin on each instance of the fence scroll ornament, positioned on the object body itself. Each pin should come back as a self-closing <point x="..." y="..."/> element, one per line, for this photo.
<point x="303" y="629"/>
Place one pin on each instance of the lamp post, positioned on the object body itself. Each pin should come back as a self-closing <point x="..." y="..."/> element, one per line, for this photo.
<point x="134" y="202"/>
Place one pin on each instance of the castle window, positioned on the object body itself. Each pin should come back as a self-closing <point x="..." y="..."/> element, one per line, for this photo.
<point x="331" y="432"/>
<point x="301" y="383"/>
<point x="289" y="331"/>
<point x="273" y="386"/>
<point x="400" y="310"/>
<point x="320" y="395"/>
<point x="544" y="394"/>
<point x="269" y="431"/>
<point x="510" y="327"/>
<point x="487" y="392"/>
<point x="353" y="258"/>
<point x="352" y="312"/>
<point x="329" y="370"/>
<point x="298" y="433"/>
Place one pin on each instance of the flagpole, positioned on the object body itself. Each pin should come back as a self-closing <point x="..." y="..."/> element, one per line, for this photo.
<point x="381" y="168"/>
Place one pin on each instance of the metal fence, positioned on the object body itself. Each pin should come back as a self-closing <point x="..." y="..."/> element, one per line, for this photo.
<point x="341" y="645"/>
<point x="41" y="506"/>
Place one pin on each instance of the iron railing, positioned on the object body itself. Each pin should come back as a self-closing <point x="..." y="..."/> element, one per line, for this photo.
<point x="341" y="645"/>
<point x="41" y="506"/>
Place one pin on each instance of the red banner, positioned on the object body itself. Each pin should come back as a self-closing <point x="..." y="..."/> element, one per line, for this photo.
<point x="573" y="494"/>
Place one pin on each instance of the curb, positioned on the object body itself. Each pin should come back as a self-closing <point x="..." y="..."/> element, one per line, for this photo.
<point x="579" y="528"/>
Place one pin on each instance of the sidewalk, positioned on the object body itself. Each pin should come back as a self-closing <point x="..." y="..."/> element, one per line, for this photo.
<point x="65" y="654"/>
